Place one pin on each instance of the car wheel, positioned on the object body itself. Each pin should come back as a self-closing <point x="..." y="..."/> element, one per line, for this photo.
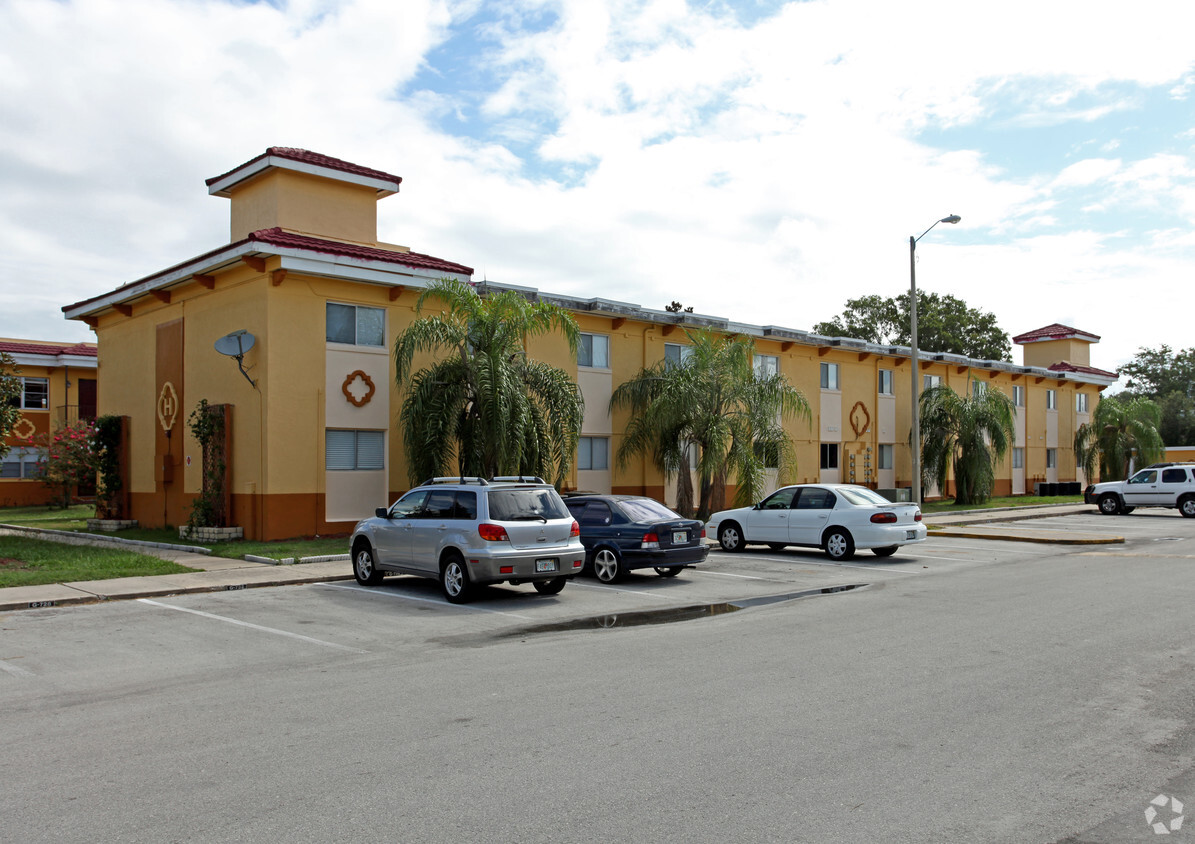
<point x="668" y="571"/>
<point x="884" y="552"/>
<point x="777" y="546"/>
<point x="1109" y="504"/>
<point x="363" y="568"/>
<point x="454" y="580"/>
<point x="550" y="587"/>
<point x="607" y="566"/>
<point x="731" y="538"/>
<point x="839" y="545"/>
<point x="1187" y="506"/>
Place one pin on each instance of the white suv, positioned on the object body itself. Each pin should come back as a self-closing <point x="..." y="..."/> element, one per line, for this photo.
<point x="468" y="531"/>
<point x="1160" y="485"/>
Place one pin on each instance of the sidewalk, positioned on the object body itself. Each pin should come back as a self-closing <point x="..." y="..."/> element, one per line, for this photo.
<point x="217" y="574"/>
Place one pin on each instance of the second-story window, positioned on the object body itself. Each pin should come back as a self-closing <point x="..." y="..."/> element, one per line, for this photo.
<point x="34" y="395"/>
<point x="766" y="366"/>
<point x="1080" y="402"/>
<point x="1018" y="395"/>
<point x="594" y="351"/>
<point x="885" y="387"/>
<point x="1051" y="399"/>
<point x="829" y="376"/>
<point x="356" y="325"/>
<point x="931" y="381"/>
<point x="675" y="353"/>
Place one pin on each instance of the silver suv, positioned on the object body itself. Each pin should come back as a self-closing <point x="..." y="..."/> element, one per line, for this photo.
<point x="469" y="531"/>
<point x="1160" y="485"/>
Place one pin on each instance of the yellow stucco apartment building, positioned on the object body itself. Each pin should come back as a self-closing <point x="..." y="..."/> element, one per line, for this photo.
<point x="314" y="443"/>
<point x="58" y="386"/>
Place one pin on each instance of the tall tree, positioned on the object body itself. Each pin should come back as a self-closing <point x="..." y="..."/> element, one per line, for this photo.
<point x="484" y="404"/>
<point x="1167" y="378"/>
<point x="713" y="401"/>
<point x="968" y="434"/>
<point x="1120" y="429"/>
<point x="944" y="324"/>
<point x="10" y="395"/>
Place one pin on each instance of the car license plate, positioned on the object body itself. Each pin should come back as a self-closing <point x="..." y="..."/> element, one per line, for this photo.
<point x="910" y="534"/>
<point x="548" y="564"/>
<point x="680" y="537"/>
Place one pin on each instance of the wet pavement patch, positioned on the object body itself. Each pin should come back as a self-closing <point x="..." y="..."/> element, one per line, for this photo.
<point x="667" y="616"/>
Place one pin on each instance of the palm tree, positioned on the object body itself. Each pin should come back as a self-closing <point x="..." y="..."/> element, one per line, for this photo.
<point x="1118" y="430"/>
<point x="714" y="402"/>
<point x="968" y="434"/>
<point x="485" y="405"/>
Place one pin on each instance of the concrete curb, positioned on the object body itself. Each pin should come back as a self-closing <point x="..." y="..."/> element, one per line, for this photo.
<point x="955" y="533"/>
<point x="73" y="537"/>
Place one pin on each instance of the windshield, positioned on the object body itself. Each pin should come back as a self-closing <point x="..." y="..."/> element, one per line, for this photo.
<point x="518" y="505"/>
<point x="862" y="495"/>
<point x="647" y="510"/>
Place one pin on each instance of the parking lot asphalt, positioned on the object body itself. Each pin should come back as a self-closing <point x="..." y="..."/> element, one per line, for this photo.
<point x="217" y="574"/>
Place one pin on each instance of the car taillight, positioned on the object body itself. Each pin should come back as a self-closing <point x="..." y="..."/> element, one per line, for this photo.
<point x="492" y="533"/>
<point x="651" y="542"/>
<point x="703" y="533"/>
<point x="575" y="530"/>
<point x="883" y="518"/>
<point x="917" y="518"/>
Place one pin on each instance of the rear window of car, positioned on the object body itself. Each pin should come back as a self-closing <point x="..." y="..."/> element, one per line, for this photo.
<point x="1174" y="476"/>
<point x="646" y="509"/>
<point x="515" y="505"/>
<point x="862" y="495"/>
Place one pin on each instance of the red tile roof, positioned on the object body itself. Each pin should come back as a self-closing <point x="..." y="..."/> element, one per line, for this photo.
<point x="1057" y="331"/>
<point x="315" y="158"/>
<point x="1067" y="366"/>
<point x="278" y="237"/>
<point x="18" y="347"/>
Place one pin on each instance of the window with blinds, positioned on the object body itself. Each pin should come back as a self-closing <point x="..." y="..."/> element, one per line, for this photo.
<point x="354" y="450"/>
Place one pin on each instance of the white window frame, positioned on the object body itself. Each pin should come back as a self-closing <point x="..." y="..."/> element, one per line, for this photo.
<point x="1051" y="458"/>
<point x="886" y="456"/>
<point x="597" y="348"/>
<point x="829" y="376"/>
<point x="766" y="366"/>
<point x="24" y="399"/>
<point x="1018" y="457"/>
<point x="368" y="451"/>
<point x="677" y="353"/>
<point x="1018" y="395"/>
<point x="977" y="388"/>
<point x="1051" y="399"/>
<point x="586" y="456"/>
<point x="886" y="383"/>
<point x="357" y="311"/>
<point x="928" y="382"/>
<point x="1081" y="402"/>
<point x="829" y="450"/>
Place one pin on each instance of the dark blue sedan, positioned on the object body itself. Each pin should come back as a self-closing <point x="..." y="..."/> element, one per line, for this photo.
<point x="624" y="532"/>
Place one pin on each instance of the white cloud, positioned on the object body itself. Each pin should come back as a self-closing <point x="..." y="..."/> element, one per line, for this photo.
<point x="765" y="172"/>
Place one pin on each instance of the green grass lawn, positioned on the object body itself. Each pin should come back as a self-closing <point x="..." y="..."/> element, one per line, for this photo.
<point x="75" y="519"/>
<point x="33" y="562"/>
<point x="947" y="505"/>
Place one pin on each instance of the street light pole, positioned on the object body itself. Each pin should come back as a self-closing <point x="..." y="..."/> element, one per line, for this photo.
<point x="915" y="435"/>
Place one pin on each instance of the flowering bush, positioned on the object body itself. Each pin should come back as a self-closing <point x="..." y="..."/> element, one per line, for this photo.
<point x="71" y="459"/>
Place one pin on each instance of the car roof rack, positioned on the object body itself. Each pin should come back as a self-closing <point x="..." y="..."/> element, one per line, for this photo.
<point x="455" y="479"/>
<point x="521" y="479"/>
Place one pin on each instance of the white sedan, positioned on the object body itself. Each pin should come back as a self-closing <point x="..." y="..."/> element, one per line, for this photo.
<point x="837" y="517"/>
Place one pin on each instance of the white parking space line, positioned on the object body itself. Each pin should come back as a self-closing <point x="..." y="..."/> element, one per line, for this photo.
<point x="276" y="632"/>
<point x="14" y="670"/>
<point x="401" y="597"/>
<point x="987" y="547"/>
<point x="655" y="596"/>
<point x="951" y="559"/>
<point x="728" y="574"/>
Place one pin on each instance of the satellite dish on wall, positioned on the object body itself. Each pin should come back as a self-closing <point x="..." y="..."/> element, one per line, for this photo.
<point x="235" y="345"/>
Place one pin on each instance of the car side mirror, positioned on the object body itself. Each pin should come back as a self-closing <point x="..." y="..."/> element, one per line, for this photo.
<point x="382" y="512"/>
<point x="757" y="506"/>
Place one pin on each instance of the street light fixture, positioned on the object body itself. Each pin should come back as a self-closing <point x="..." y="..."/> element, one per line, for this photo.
<point x="916" y="432"/>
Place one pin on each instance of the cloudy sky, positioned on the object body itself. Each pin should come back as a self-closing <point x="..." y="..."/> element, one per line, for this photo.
<point x="758" y="160"/>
